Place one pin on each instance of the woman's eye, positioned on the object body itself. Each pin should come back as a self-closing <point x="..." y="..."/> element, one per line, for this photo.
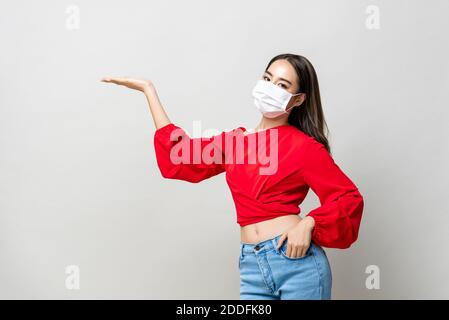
<point x="266" y="78"/>
<point x="283" y="85"/>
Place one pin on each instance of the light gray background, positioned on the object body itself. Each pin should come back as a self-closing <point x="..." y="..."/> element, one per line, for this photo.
<point x="79" y="181"/>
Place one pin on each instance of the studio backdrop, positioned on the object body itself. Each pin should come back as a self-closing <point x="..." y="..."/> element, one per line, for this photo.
<point x="84" y="210"/>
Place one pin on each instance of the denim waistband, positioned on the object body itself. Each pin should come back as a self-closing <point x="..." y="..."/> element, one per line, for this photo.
<point x="257" y="248"/>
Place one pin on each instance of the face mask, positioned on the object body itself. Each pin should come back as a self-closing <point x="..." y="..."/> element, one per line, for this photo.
<point x="271" y="99"/>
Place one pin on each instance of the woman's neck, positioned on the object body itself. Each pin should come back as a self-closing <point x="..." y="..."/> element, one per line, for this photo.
<point x="266" y="123"/>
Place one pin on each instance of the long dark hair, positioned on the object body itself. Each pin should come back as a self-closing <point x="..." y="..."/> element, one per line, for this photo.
<point x="309" y="116"/>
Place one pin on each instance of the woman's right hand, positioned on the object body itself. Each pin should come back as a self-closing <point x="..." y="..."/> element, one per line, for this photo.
<point x="136" y="84"/>
<point x="146" y="86"/>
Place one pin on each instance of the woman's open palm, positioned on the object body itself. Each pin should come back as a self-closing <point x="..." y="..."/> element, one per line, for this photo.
<point x="136" y="84"/>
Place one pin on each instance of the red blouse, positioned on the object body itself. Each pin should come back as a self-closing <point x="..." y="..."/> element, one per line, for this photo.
<point x="269" y="173"/>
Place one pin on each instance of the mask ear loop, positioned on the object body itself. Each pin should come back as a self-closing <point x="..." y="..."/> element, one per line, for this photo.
<point x="296" y="94"/>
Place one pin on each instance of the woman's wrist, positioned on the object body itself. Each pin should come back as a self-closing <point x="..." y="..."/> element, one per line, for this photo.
<point x="309" y="221"/>
<point x="149" y="89"/>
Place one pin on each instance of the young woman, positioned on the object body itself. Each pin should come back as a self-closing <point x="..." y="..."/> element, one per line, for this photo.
<point x="281" y="254"/>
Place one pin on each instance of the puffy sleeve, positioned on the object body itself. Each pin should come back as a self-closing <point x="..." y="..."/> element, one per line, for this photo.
<point x="338" y="218"/>
<point x="184" y="158"/>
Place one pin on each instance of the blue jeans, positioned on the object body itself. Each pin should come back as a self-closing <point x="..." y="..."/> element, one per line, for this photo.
<point x="267" y="273"/>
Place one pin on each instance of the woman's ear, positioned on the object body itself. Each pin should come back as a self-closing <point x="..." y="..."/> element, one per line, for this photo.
<point x="292" y="107"/>
<point x="299" y="100"/>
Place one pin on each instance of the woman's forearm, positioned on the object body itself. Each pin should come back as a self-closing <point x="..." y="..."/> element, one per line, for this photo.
<point x="160" y="118"/>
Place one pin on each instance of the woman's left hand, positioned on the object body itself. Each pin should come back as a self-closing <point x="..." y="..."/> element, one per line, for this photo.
<point x="299" y="238"/>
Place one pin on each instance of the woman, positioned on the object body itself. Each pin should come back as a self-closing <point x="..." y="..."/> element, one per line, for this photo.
<point x="281" y="254"/>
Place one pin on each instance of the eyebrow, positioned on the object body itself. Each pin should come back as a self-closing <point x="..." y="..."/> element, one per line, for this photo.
<point x="279" y="78"/>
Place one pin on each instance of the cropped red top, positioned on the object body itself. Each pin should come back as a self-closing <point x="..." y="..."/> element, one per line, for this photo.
<point x="269" y="173"/>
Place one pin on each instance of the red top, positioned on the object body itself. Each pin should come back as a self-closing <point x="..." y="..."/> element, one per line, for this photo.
<point x="269" y="180"/>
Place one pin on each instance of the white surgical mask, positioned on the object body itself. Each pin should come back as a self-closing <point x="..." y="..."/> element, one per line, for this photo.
<point x="271" y="99"/>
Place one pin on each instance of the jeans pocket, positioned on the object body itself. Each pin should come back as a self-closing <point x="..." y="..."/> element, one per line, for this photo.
<point x="283" y="252"/>
<point x="319" y="248"/>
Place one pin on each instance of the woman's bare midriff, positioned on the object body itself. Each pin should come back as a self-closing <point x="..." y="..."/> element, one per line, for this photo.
<point x="268" y="229"/>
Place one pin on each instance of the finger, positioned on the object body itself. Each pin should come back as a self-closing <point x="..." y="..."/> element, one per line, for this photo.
<point x="301" y="252"/>
<point x="110" y="80"/>
<point x="281" y="240"/>
<point x="289" y="249"/>
<point x="295" y="252"/>
<point x="118" y="80"/>
<point x="304" y="251"/>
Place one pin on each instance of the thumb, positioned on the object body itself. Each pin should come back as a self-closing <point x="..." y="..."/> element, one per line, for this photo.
<point x="281" y="240"/>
